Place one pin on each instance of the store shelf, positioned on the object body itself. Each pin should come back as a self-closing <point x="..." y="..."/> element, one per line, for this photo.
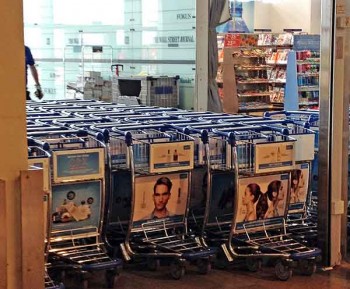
<point x="261" y="81"/>
<point x="259" y="108"/>
<point x="308" y="62"/>
<point x="252" y="68"/>
<point x="273" y="62"/>
<point x="254" y="72"/>
<point x="254" y="94"/>
<point x="302" y="88"/>
<point x="277" y="81"/>
<point x="308" y="88"/>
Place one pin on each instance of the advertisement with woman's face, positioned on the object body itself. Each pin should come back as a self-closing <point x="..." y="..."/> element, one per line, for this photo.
<point x="262" y="197"/>
<point x="160" y="196"/>
<point x="299" y="184"/>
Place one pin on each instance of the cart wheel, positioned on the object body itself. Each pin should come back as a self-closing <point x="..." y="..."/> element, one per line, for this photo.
<point x="221" y="261"/>
<point x="283" y="272"/>
<point x="153" y="264"/>
<point x="85" y="283"/>
<point x="111" y="279"/>
<point x="307" y="267"/>
<point x="177" y="270"/>
<point x="253" y="265"/>
<point x="204" y="266"/>
<point x="62" y="276"/>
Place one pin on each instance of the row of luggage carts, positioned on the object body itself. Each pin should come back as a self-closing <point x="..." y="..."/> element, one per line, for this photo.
<point x="169" y="186"/>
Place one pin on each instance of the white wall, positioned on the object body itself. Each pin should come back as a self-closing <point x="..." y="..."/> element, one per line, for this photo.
<point x="284" y="14"/>
<point x="315" y="27"/>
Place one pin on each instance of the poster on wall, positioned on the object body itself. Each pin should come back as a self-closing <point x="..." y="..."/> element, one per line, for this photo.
<point x="262" y="198"/>
<point x="78" y="165"/>
<point x="222" y="197"/>
<point x="76" y="205"/>
<point x="299" y="188"/>
<point x="161" y="196"/>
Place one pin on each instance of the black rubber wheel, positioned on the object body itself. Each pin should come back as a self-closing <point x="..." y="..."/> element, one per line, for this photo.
<point x="153" y="264"/>
<point x="253" y="265"/>
<point x="177" y="270"/>
<point x="283" y="272"/>
<point x="307" y="267"/>
<point x="204" y="266"/>
<point x="111" y="279"/>
<point x="62" y="276"/>
<point x="85" y="283"/>
<point x="221" y="261"/>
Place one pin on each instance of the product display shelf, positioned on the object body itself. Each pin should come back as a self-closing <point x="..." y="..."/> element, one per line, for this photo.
<point x="260" y="75"/>
<point x="302" y="88"/>
<point x="252" y="71"/>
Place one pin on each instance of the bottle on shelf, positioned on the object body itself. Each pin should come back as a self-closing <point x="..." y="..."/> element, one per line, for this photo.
<point x="236" y="23"/>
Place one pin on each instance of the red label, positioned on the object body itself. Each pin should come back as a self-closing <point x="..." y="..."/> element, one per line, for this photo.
<point x="232" y="40"/>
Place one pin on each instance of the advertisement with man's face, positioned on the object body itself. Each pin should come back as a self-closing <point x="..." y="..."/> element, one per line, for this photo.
<point x="262" y="198"/>
<point x="160" y="196"/>
<point x="299" y="187"/>
<point x="76" y="205"/>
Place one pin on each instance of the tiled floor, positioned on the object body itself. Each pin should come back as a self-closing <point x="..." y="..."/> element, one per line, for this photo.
<point x="136" y="276"/>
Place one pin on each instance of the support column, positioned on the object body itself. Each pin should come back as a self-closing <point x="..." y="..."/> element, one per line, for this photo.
<point x="32" y="226"/>
<point x="3" y="238"/>
<point x="202" y="35"/>
<point x="334" y="134"/>
<point x="13" y="152"/>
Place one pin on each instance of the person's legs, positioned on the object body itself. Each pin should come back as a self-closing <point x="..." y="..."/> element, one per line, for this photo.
<point x="28" y="95"/>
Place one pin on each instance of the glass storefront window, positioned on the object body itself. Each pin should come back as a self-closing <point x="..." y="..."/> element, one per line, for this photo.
<point x="153" y="37"/>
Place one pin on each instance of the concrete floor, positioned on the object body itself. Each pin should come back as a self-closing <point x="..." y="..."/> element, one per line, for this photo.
<point x="137" y="276"/>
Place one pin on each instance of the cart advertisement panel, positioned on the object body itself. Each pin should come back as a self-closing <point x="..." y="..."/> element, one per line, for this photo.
<point x="78" y="165"/>
<point x="161" y="196"/>
<point x="42" y="163"/>
<point x="120" y="202"/>
<point x="304" y="147"/>
<point x="76" y="205"/>
<point x="299" y="188"/>
<point x="167" y="157"/>
<point x="271" y="157"/>
<point x="221" y="197"/>
<point x="199" y="188"/>
<point x="261" y="200"/>
<point x="198" y="197"/>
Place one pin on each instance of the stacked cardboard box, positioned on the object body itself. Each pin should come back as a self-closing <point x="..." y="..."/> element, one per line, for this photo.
<point x="93" y="86"/>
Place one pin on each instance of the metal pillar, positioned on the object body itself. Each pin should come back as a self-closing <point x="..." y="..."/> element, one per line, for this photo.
<point x="202" y="62"/>
<point x="334" y="131"/>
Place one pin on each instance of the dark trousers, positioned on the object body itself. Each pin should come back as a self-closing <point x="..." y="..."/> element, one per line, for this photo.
<point x="28" y="95"/>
